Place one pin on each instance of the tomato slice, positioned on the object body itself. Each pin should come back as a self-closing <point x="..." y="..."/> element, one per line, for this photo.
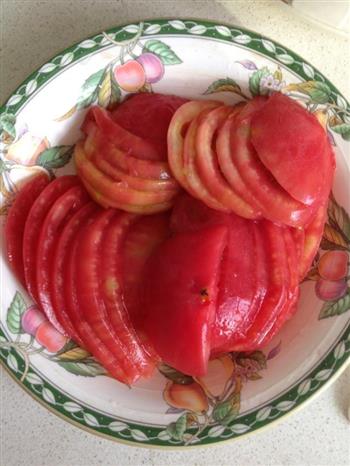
<point x="57" y="276"/>
<point x="61" y="211"/>
<point x="242" y="284"/>
<point x="194" y="184"/>
<point x="294" y="150"/>
<point x="277" y="293"/>
<point x="298" y="235"/>
<point x="207" y="163"/>
<point x="87" y="334"/>
<point x="148" y="169"/>
<point x="32" y="228"/>
<point x="190" y="214"/>
<point x="148" y="116"/>
<point x="15" y="223"/>
<point x="228" y="167"/>
<point x="274" y="202"/>
<point x="123" y="139"/>
<point x="110" y="189"/>
<point x="179" y="297"/>
<point x="113" y="285"/>
<point x="176" y="135"/>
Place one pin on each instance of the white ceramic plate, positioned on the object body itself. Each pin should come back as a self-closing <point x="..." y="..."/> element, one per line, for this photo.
<point x="39" y="125"/>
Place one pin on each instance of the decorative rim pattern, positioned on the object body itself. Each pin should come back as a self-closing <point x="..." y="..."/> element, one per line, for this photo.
<point x="134" y="433"/>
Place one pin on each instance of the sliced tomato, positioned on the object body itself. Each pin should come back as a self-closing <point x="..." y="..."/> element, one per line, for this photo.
<point x="273" y="201"/>
<point x="148" y="169"/>
<point x="298" y="235"/>
<point x="57" y="276"/>
<point x="15" y="222"/>
<point x="116" y="191"/>
<point x="75" y="312"/>
<point x="112" y="290"/>
<point x="148" y="116"/>
<point x="179" y="297"/>
<point x="123" y="139"/>
<point x="242" y="284"/>
<point x="277" y="293"/>
<point x="190" y="214"/>
<point x="107" y="202"/>
<point x="313" y="236"/>
<point x="290" y="142"/>
<point x="194" y="184"/>
<point x="61" y="211"/>
<point x="177" y="131"/>
<point x="207" y="163"/>
<point x="228" y="168"/>
<point x="32" y="228"/>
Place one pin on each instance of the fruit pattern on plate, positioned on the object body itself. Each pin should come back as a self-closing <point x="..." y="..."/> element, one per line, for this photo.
<point x="218" y="273"/>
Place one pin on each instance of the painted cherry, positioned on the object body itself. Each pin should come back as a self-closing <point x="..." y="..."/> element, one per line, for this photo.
<point x="191" y="397"/>
<point x="153" y="66"/>
<point x="130" y="76"/>
<point x="50" y="338"/>
<point x="333" y="265"/>
<point x="32" y="319"/>
<point x="330" y="290"/>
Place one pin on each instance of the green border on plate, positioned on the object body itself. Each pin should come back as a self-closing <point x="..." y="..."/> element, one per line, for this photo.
<point x="134" y="433"/>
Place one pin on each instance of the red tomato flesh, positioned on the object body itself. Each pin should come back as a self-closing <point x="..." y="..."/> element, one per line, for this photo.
<point x="35" y="219"/>
<point x="179" y="299"/>
<point x="61" y="211"/>
<point x="291" y="143"/>
<point x="15" y="223"/>
<point x="148" y="117"/>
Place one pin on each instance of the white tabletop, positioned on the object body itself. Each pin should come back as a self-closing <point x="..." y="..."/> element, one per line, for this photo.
<point x="32" y="32"/>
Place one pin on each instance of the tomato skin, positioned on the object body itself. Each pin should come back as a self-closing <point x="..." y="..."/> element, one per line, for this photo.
<point x="60" y="257"/>
<point x="86" y="333"/>
<point x="33" y="224"/>
<point x="15" y="223"/>
<point x="298" y="149"/>
<point x="61" y="211"/>
<point x="179" y="300"/>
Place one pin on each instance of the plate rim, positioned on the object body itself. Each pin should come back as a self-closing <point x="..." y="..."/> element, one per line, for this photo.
<point x="340" y="364"/>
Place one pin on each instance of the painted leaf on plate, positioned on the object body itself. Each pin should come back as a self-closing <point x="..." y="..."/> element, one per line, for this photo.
<point x="255" y="78"/>
<point x="344" y="130"/>
<point x="225" y="412"/>
<point x="337" y="308"/>
<point x="55" y="157"/>
<point x="109" y="91"/>
<point x="89" y="90"/>
<point x="332" y="239"/>
<point x="86" y="368"/>
<point x="339" y="218"/>
<point x="163" y="52"/>
<point x="224" y="85"/>
<point x="319" y="93"/>
<point x="174" y="375"/>
<point x="7" y="124"/>
<point x="14" y="314"/>
<point x="177" y="429"/>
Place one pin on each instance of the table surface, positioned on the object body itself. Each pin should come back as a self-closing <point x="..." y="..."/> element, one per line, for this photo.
<point x="32" y="32"/>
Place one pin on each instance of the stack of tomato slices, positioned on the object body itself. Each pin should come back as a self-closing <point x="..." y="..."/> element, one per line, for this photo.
<point x="218" y="272"/>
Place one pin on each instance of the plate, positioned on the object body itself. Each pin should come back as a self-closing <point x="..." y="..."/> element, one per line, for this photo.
<point x="242" y="392"/>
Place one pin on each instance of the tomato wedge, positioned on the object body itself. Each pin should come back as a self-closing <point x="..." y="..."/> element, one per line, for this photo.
<point x="194" y="184"/>
<point x="176" y="135"/>
<point x="36" y="216"/>
<point x="57" y="276"/>
<point x="133" y="166"/>
<point x="274" y="202"/>
<point x="15" y="223"/>
<point x="121" y="138"/>
<point x="179" y="299"/>
<point x="291" y="148"/>
<point x="207" y="163"/>
<point x="110" y="189"/>
<point x="61" y="211"/>
<point x="87" y="334"/>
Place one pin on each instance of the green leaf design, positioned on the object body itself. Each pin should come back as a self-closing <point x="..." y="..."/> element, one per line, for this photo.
<point x="89" y="90"/>
<point x="339" y="218"/>
<point x="227" y="411"/>
<point x="255" y="78"/>
<point x="14" y="314"/>
<point x="163" y="52"/>
<point x="335" y="308"/>
<point x="319" y="93"/>
<point x="174" y="375"/>
<point x="224" y="85"/>
<point x="7" y="124"/>
<point x="55" y="157"/>
<point x="85" y="368"/>
<point x="109" y="91"/>
<point x="344" y="130"/>
<point x="255" y="360"/>
<point x="177" y="429"/>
